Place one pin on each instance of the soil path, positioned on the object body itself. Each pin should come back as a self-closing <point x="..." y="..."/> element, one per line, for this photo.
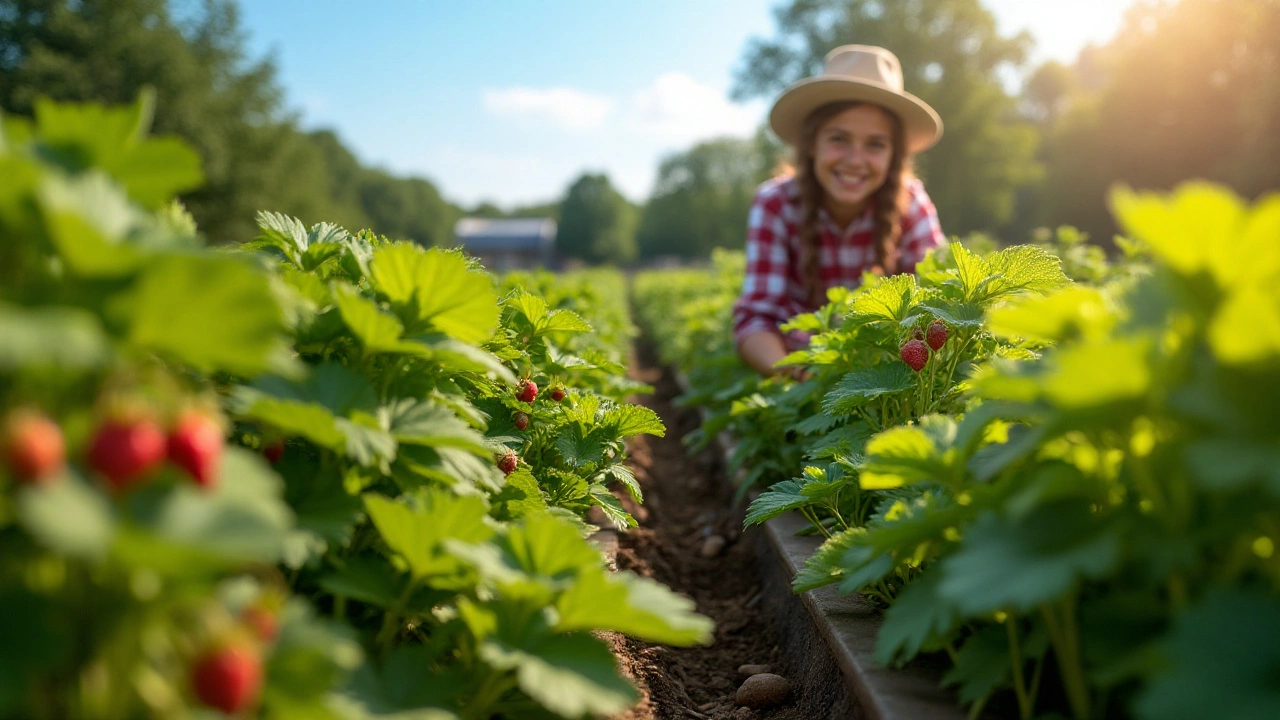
<point x="687" y="501"/>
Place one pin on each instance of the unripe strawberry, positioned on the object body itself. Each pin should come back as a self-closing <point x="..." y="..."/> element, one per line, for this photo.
<point x="228" y="678"/>
<point x="507" y="463"/>
<point x="195" y="445"/>
<point x="33" y="447"/>
<point x="522" y="420"/>
<point x="937" y="335"/>
<point x="527" y="391"/>
<point x="263" y="621"/>
<point x="124" y="451"/>
<point x="274" y="452"/>
<point x="557" y="393"/>
<point x="915" y="354"/>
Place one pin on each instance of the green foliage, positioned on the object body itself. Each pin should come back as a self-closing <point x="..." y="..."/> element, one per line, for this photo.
<point x="597" y="224"/>
<point x="379" y="379"/>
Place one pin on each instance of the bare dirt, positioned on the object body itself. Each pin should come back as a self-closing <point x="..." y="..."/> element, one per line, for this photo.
<point x="687" y="500"/>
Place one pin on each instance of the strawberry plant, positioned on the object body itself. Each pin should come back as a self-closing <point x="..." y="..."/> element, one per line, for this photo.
<point x="381" y="564"/>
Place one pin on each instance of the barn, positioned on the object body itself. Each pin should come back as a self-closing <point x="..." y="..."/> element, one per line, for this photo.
<point x="508" y="243"/>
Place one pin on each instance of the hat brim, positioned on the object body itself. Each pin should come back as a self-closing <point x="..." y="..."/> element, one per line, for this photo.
<point x="922" y="125"/>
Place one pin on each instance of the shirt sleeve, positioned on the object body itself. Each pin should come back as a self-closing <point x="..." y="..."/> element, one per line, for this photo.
<point x="762" y="306"/>
<point x="921" y="231"/>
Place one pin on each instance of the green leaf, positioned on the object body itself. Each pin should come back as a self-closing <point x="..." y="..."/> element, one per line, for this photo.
<point x="367" y="578"/>
<point x="574" y="675"/>
<point x="417" y="534"/>
<point x="1021" y="269"/>
<point x="919" y="618"/>
<point x="1004" y="564"/>
<point x="69" y="517"/>
<point x="825" y="565"/>
<point x="865" y="384"/>
<point x="1077" y="311"/>
<point x="285" y="232"/>
<point x="433" y="288"/>
<point x="955" y="314"/>
<point x="913" y="453"/>
<point x="331" y="385"/>
<point x="1246" y="328"/>
<point x="88" y="219"/>
<point x="1195" y="229"/>
<point x="564" y="321"/>
<point x="1097" y="374"/>
<point x="629" y="604"/>
<point x="579" y="450"/>
<point x="779" y="499"/>
<point x="890" y="299"/>
<point x="423" y="422"/>
<point x="623" y="474"/>
<point x="627" y="420"/>
<point x="51" y="336"/>
<point x="212" y="313"/>
<point x="1218" y="660"/>
<point x="376" y="330"/>
<point x="611" y="507"/>
<point x="545" y="547"/>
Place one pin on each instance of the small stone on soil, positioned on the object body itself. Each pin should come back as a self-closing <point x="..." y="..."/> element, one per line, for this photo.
<point x="746" y="671"/>
<point x="712" y="546"/>
<point x="763" y="690"/>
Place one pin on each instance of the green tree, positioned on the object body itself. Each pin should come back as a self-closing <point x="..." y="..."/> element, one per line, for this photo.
<point x="701" y="199"/>
<point x="597" y="224"/>
<point x="951" y="56"/>
<point x="407" y="208"/>
<point x="1185" y="90"/>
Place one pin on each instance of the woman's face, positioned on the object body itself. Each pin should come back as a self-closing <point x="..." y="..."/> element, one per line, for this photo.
<point x="851" y="156"/>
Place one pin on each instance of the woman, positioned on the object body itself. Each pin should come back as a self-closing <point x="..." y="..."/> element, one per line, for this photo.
<point x="852" y="205"/>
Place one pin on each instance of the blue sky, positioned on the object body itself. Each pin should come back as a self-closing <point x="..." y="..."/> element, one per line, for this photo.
<point x="510" y="100"/>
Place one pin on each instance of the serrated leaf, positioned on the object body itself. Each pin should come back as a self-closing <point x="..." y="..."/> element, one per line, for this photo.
<point x="563" y="321"/>
<point x="780" y="498"/>
<point x="572" y="676"/>
<point x="891" y="299"/>
<point x="1007" y="564"/>
<point x="629" y="604"/>
<point x="919" y="618"/>
<point x="212" y="313"/>
<point x="865" y="384"/>
<point x="626" y="420"/>
<point x="913" y="453"/>
<point x="417" y="534"/>
<point x="825" y="565"/>
<point x="434" y="289"/>
<point x="285" y="232"/>
<point x="955" y="314"/>
<point x="376" y="330"/>
<point x="422" y="422"/>
<point x="612" y="508"/>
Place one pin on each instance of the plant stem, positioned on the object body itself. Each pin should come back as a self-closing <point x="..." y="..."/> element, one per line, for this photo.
<point x="1015" y="658"/>
<point x="1065" y="637"/>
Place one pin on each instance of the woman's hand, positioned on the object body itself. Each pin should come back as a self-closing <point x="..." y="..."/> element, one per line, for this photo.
<point x="763" y="350"/>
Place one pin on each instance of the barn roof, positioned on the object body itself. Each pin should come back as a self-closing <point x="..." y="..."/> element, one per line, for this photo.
<point x="484" y="234"/>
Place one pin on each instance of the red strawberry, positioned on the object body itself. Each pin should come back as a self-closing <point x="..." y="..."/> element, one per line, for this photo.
<point x="522" y="420"/>
<point x="126" y="451"/>
<point x="228" y="678"/>
<point x="915" y="354"/>
<point x="274" y="452"/>
<point x="527" y="391"/>
<point x="195" y="445"/>
<point x="507" y="463"/>
<point x="937" y="335"/>
<point x="557" y="393"/>
<point x="33" y="447"/>
<point x="263" y="622"/>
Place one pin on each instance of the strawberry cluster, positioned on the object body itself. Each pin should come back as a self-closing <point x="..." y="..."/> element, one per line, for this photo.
<point x="915" y="352"/>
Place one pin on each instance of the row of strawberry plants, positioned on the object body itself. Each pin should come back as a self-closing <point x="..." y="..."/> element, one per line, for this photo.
<point x="322" y="474"/>
<point x="1067" y="488"/>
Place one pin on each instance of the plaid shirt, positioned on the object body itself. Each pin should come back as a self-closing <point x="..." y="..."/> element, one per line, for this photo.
<point x="773" y="291"/>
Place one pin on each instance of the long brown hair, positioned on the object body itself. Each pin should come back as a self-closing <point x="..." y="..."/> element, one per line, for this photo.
<point x="889" y="201"/>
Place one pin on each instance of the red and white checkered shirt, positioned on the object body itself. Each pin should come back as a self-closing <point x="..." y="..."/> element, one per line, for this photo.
<point x="773" y="291"/>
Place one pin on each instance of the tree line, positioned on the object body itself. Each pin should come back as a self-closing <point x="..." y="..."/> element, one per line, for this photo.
<point x="1186" y="89"/>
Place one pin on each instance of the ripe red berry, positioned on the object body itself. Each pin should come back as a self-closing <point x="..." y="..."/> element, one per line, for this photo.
<point x="195" y="445"/>
<point x="557" y="393"/>
<point x="262" y="621"/>
<point x="228" y="678"/>
<point x="124" y="452"/>
<point x="937" y="335"/>
<point x="527" y="391"/>
<point x="522" y="420"/>
<point x="33" y="447"/>
<point x="507" y="463"/>
<point x="274" y="452"/>
<point x="915" y="354"/>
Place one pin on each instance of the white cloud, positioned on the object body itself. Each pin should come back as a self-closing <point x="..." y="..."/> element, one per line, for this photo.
<point x="565" y="107"/>
<point x="679" y="110"/>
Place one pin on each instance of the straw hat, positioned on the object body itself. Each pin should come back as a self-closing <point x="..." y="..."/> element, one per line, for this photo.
<point x="857" y="72"/>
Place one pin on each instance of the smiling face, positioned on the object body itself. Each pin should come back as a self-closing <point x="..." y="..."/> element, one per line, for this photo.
<point x="852" y="153"/>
